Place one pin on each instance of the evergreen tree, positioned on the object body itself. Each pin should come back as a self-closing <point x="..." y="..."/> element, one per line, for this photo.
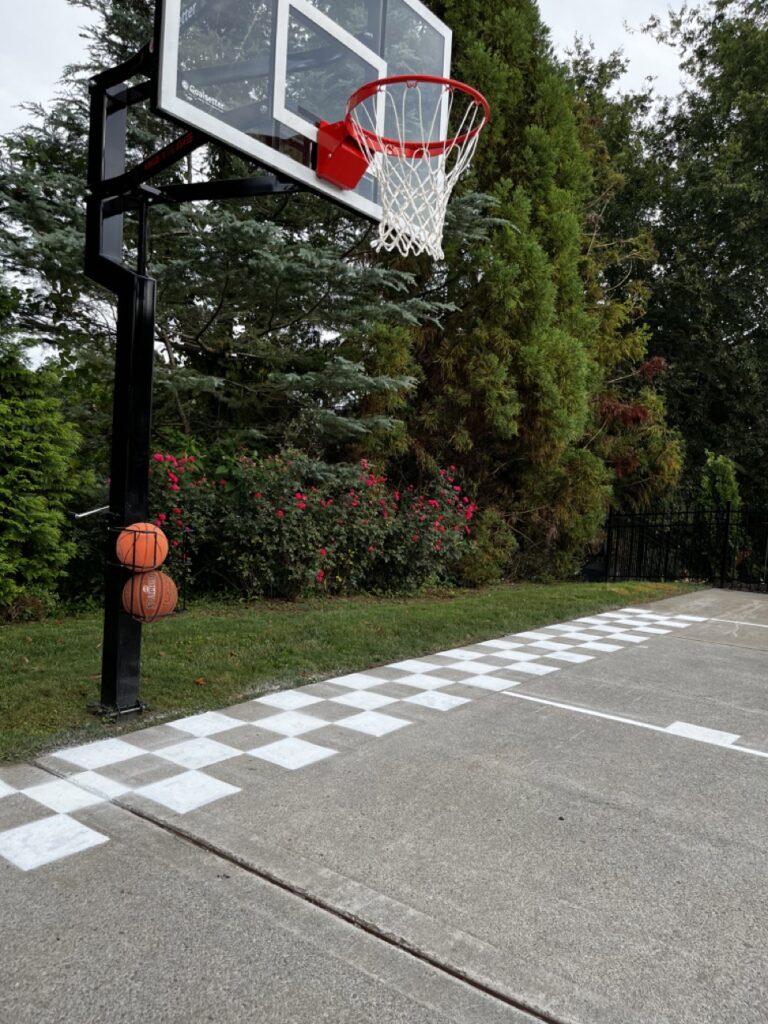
<point x="508" y="383"/>
<point x="628" y="429"/>
<point x="709" y="212"/>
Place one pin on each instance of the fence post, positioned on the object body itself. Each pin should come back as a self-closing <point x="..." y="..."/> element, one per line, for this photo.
<point x="609" y="546"/>
<point x="726" y="545"/>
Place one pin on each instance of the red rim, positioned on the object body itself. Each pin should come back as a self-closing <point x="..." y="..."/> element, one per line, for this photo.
<point x="411" y="150"/>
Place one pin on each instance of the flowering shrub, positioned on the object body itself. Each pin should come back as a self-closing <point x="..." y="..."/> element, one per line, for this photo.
<point x="287" y="526"/>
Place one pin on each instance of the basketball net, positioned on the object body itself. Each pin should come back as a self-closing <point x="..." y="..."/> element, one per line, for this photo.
<point x="416" y="180"/>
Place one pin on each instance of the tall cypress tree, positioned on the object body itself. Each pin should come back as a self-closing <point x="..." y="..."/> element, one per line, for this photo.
<point x="508" y="380"/>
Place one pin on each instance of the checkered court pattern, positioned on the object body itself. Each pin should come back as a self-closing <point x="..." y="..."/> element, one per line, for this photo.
<point x="175" y="765"/>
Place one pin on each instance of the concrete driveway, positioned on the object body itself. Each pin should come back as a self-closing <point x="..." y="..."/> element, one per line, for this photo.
<point x="564" y="825"/>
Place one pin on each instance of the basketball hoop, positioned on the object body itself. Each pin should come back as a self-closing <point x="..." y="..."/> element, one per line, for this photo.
<point x="417" y="163"/>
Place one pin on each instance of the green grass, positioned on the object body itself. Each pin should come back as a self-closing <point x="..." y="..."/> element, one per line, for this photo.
<point x="216" y="654"/>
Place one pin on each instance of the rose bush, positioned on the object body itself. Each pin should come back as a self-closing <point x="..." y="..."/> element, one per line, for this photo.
<point x="287" y="526"/>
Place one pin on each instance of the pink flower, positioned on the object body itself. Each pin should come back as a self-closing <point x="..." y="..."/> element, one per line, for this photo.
<point x="301" y="504"/>
<point x="162" y="516"/>
<point x="323" y="552"/>
<point x="174" y="487"/>
<point x="457" y="489"/>
<point x="257" y="495"/>
<point x="355" y="504"/>
<point x="280" y="513"/>
<point x="177" y="511"/>
<point x="320" y="576"/>
<point x="158" y="457"/>
<point x="175" y="543"/>
<point x="371" y="548"/>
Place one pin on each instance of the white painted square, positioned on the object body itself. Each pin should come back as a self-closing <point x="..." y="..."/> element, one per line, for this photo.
<point x="99" y="784"/>
<point x="591" y="620"/>
<point x="551" y="645"/>
<point x="187" y="792"/>
<point x="679" y="623"/>
<point x="100" y="753"/>
<point x="292" y="753"/>
<point x="605" y="648"/>
<point x="504" y="645"/>
<point x="652" y="630"/>
<point x="475" y="668"/>
<point x="372" y="723"/>
<point x="415" y="665"/>
<point x="570" y="656"/>
<point x="534" y="668"/>
<point x="579" y="636"/>
<point x="288" y="700"/>
<point x="516" y="656"/>
<point x="290" y="723"/>
<point x="197" y="753"/>
<point x="461" y="654"/>
<point x="627" y="638"/>
<point x="42" y="842"/>
<point x="433" y="682"/>
<point x="690" y="618"/>
<point x="5" y="789"/>
<point x="437" y="701"/>
<point x="698" y="732"/>
<point x="534" y="636"/>
<point x="62" y="797"/>
<point x="206" y="724"/>
<point x="358" y="681"/>
<point x="364" y="700"/>
<point x="492" y="683"/>
<point x="611" y="615"/>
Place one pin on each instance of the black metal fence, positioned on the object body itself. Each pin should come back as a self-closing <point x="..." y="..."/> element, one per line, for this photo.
<point x="726" y="547"/>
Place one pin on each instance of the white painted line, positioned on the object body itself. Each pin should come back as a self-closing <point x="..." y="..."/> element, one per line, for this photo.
<point x="631" y="721"/>
<point x="736" y="622"/>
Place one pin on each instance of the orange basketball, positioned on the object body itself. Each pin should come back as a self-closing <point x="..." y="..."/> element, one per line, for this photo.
<point x="142" y="546"/>
<point x="149" y="596"/>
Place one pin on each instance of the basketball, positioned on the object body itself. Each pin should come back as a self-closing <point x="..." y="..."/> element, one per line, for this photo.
<point x="142" y="546"/>
<point x="149" y="596"/>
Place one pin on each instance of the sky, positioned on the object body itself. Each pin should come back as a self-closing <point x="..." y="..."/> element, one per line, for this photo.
<point x="42" y="36"/>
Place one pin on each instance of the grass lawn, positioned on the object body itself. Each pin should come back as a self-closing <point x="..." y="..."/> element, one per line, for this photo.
<point x="216" y="654"/>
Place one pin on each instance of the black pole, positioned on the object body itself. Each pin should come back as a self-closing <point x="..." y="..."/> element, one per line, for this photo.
<point x="113" y="190"/>
<point x="129" y="487"/>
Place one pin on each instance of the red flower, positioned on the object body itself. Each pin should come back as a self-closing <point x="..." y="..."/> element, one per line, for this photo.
<point x="457" y="489"/>
<point x="323" y="552"/>
<point x="320" y="576"/>
<point x="162" y="516"/>
<point x="280" y="513"/>
<point x="257" y="494"/>
<point x="158" y="457"/>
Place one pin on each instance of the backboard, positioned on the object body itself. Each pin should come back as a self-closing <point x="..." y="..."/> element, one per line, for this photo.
<point x="258" y="76"/>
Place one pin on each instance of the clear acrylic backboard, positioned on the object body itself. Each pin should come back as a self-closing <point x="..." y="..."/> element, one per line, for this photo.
<point x="258" y="76"/>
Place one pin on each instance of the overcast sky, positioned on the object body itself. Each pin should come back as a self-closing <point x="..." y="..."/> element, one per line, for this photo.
<point x="42" y="36"/>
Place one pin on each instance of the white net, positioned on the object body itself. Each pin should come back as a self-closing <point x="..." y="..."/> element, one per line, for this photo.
<point x="415" y="184"/>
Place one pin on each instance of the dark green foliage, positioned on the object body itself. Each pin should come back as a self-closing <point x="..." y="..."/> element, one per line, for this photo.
<point x="37" y="476"/>
<point x="709" y="209"/>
